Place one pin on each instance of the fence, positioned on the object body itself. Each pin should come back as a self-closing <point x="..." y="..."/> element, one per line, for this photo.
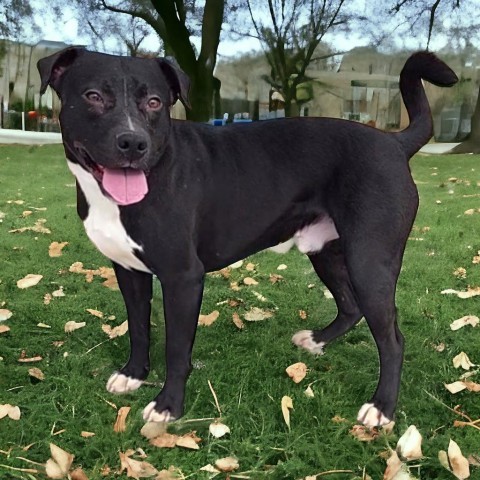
<point x="28" y="121"/>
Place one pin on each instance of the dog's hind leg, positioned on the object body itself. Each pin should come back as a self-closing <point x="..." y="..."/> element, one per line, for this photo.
<point x="374" y="265"/>
<point x="329" y="264"/>
<point x="136" y="288"/>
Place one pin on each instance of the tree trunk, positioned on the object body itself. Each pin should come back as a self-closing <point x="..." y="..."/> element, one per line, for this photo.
<point x="177" y="40"/>
<point x="472" y="143"/>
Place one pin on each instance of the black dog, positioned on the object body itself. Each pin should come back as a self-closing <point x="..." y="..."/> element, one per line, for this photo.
<point x="177" y="199"/>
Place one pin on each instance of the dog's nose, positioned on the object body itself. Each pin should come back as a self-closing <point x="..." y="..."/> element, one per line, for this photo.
<point x="132" y="145"/>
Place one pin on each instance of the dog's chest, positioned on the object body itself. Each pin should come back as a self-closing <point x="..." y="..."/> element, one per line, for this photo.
<point x="104" y="226"/>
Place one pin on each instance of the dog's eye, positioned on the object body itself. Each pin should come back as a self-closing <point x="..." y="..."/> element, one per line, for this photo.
<point x="154" y="103"/>
<point x="93" y="96"/>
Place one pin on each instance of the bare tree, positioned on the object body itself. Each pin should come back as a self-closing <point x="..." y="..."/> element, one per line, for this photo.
<point x="174" y="22"/>
<point x="14" y="15"/>
<point x="290" y="32"/>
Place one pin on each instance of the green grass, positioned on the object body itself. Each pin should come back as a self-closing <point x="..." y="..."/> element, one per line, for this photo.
<point x="246" y="367"/>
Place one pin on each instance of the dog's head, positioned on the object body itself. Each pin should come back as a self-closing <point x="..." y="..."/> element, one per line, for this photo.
<point x="115" y="114"/>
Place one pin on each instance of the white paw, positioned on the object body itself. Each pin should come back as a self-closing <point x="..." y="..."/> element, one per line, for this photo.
<point x="371" y="416"/>
<point x="151" y="415"/>
<point x="304" y="339"/>
<point x="120" y="383"/>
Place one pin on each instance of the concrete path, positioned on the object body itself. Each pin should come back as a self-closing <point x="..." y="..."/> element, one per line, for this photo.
<point x="28" y="138"/>
<point x="437" y="148"/>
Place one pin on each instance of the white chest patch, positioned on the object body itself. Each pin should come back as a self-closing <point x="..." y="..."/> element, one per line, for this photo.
<point x="103" y="224"/>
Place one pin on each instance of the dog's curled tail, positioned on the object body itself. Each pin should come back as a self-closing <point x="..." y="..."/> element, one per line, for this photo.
<point x="426" y="66"/>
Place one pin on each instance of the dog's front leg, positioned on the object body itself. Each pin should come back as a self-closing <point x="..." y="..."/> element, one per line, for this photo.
<point x="182" y="297"/>
<point x="136" y="288"/>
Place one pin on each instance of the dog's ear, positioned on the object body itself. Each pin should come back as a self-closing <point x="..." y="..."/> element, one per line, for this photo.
<point x="52" y="68"/>
<point x="176" y="78"/>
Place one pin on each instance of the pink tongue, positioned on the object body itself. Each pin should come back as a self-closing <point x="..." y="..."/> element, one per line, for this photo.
<point x="125" y="185"/>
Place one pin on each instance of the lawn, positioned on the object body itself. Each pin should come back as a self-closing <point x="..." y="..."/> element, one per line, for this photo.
<point x="245" y="366"/>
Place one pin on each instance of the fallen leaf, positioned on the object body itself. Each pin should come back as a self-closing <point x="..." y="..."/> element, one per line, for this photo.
<point x="58" y="293"/>
<point x="468" y="293"/>
<point x="29" y="281"/>
<point x="60" y="463"/>
<point x="274" y="278"/>
<point x="120" y="422"/>
<point x="256" y="314"/>
<point x="87" y="434"/>
<point x="117" y="331"/>
<point x="409" y="445"/>
<point x="153" y="429"/>
<point x="24" y="359"/>
<point x="456" y="462"/>
<point x="297" y="371"/>
<point x="282" y="267"/>
<point x="12" y="411"/>
<point x="460" y="272"/>
<point x="36" y="373"/>
<point x="207" y="320"/>
<point x="4" y="328"/>
<point x="189" y="440"/>
<point x="38" y="227"/>
<point x="78" y="474"/>
<point x="95" y="313"/>
<point x="250" y="281"/>
<point x="309" y="392"/>
<point x="135" y="468"/>
<point x="363" y="433"/>
<point x="394" y="465"/>
<point x="236" y="264"/>
<point x="227" y="464"/>
<point x="286" y="405"/>
<point x="327" y="294"/>
<point x="238" y="321"/>
<point x="462" y="360"/>
<point x="165" y="440"/>
<point x="250" y="267"/>
<point x="5" y="314"/>
<point x="458" y="386"/>
<point x="218" y="429"/>
<point x="71" y="326"/>
<point x="47" y="298"/>
<point x="55" y="248"/>
<point x="210" y="469"/>
<point x="302" y="314"/>
<point x="466" y="320"/>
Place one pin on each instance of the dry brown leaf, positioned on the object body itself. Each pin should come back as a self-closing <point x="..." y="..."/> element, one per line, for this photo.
<point x="78" y="474"/>
<point x="47" y="298"/>
<point x="153" y="429"/>
<point x="274" y="278"/>
<point x="286" y="405"/>
<point x="105" y="272"/>
<point x="460" y="272"/>
<point x="462" y="360"/>
<point x="71" y="326"/>
<point x="256" y="314"/>
<point x="466" y="320"/>
<point x="236" y="264"/>
<point x="29" y="280"/>
<point x="117" y="331"/>
<point x="218" y="429"/>
<point x="364" y="434"/>
<point x="189" y="440"/>
<point x="238" y="321"/>
<point x="297" y="371"/>
<point x="309" y="392"/>
<point x="207" y="320"/>
<point x="282" y="267"/>
<point x="249" y="281"/>
<point x="468" y="293"/>
<point x="95" y="313"/>
<point x="55" y="249"/>
<point x="12" y="411"/>
<point x="36" y="373"/>
<point x="59" y="465"/>
<point x="135" y="468"/>
<point x="458" y="386"/>
<point x="302" y="314"/>
<point x="394" y="465"/>
<point x="250" y="267"/>
<point x="409" y="445"/>
<point x="171" y="474"/>
<point x="165" y="440"/>
<point x="87" y="434"/>
<point x="24" y="359"/>
<point x="120" y="422"/>
<point x="227" y="464"/>
<point x="4" y="328"/>
<point x="457" y="462"/>
<point x="5" y="314"/>
<point x="38" y="227"/>
<point x="58" y="293"/>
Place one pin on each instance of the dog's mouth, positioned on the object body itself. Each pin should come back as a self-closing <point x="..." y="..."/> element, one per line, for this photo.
<point x="125" y="185"/>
